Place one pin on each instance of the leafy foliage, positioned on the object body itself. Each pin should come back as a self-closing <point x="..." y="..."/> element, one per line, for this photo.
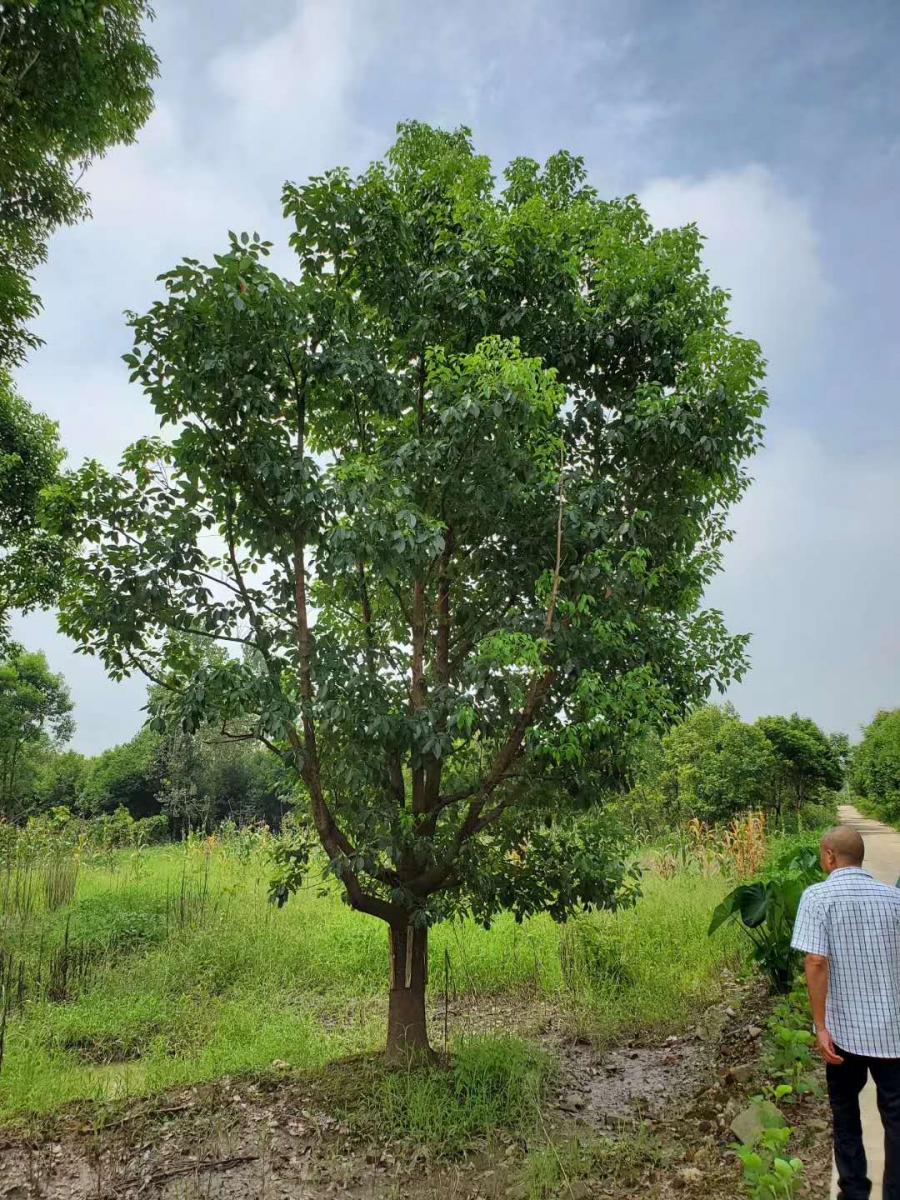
<point x="767" y="910"/>
<point x="125" y="776"/>
<point x="875" y="773"/>
<point x="31" y="562"/>
<point x="74" y="80"/>
<point x="714" y="766"/>
<point x="768" y="1172"/>
<point x="489" y="439"/>
<point x="35" y="711"/>
<point x="806" y="760"/>
<point x="711" y="767"/>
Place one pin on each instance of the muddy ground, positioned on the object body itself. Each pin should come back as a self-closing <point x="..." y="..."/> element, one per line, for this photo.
<point x="277" y="1136"/>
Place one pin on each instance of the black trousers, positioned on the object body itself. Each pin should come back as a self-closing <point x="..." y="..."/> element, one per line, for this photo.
<point x="844" y="1086"/>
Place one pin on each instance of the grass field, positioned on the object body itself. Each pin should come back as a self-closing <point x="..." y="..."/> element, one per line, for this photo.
<point x="176" y="970"/>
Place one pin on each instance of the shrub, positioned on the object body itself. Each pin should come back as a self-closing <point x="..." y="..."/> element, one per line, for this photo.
<point x="767" y="910"/>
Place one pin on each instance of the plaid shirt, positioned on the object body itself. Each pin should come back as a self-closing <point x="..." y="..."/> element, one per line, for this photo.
<point x="854" y="922"/>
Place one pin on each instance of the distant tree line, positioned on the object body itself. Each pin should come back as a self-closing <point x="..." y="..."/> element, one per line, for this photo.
<point x="196" y="780"/>
<point x="712" y="766"/>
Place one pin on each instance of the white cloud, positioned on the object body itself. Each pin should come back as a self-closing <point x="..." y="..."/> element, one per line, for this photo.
<point x="814" y="573"/>
<point x="761" y="245"/>
<point x="290" y="96"/>
<point x="98" y="411"/>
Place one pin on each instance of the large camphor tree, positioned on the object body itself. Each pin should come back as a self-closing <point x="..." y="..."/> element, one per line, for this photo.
<point x="75" y="80"/>
<point x="453" y="495"/>
<point x="31" y="559"/>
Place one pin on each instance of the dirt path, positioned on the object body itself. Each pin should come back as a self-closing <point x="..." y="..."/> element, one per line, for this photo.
<point x="883" y="860"/>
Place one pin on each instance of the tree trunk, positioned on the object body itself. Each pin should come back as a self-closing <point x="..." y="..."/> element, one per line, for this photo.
<point x="407" y="1026"/>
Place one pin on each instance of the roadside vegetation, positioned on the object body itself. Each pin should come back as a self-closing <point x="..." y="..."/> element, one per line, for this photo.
<point x="875" y="772"/>
<point x="160" y="965"/>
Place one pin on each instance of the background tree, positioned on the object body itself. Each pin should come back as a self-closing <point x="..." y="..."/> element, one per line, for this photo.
<point x="713" y="766"/>
<point x="468" y="567"/>
<point x="875" y="773"/>
<point x="208" y="778"/>
<point x="61" y="779"/>
<point x="808" y="762"/>
<point x="127" y="776"/>
<point x="35" y="712"/>
<point x="74" y="80"/>
<point x="843" y="751"/>
<point x="31" y="560"/>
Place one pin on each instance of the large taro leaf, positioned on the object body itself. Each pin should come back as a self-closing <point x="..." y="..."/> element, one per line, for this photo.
<point x="755" y="903"/>
<point x="751" y="902"/>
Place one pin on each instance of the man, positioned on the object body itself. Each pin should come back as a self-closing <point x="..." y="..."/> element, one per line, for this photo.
<point x="849" y="929"/>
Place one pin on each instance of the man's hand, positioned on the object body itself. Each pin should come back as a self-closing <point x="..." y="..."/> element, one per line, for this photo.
<point x="826" y="1048"/>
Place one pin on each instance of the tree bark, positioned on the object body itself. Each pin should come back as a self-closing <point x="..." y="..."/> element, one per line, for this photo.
<point x="407" y="1025"/>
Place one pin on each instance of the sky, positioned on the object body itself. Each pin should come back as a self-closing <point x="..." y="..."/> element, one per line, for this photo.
<point x="776" y="127"/>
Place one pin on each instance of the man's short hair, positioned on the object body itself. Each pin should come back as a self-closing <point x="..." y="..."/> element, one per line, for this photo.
<point x="846" y="844"/>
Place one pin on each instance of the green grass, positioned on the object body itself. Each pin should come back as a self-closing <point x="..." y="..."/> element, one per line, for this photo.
<point x="550" y="1170"/>
<point x="187" y="992"/>
<point x="490" y="1084"/>
<point x="650" y="968"/>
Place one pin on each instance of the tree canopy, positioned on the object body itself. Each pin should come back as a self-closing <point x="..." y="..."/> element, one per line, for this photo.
<point x="456" y="492"/>
<point x="31" y="560"/>
<point x="35" y="710"/>
<point x="875" y="770"/>
<point x="807" y="760"/>
<point x="713" y="766"/>
<point x="74" y="80"/>
<point x="125" y="776"/>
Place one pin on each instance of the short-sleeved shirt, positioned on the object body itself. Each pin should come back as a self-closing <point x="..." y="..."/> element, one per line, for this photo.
<point x="854" y="922"/>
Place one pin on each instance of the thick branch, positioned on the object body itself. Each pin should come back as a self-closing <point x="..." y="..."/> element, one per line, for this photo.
<point x="417" y="698"/>
<point x="366" y="605"/>
<point x="538" y="690"/>
<point x="434" y="769"/>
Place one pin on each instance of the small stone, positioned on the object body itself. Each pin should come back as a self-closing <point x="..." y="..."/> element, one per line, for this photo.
<point x="754" y="1031"/>
<point x="579" y="1189"/>
<point x="742" y="1073"/>
<point x="714" y="1023"/>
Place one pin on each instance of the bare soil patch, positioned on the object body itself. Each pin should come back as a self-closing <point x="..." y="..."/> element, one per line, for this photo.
<point x="276" y="1137"/>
